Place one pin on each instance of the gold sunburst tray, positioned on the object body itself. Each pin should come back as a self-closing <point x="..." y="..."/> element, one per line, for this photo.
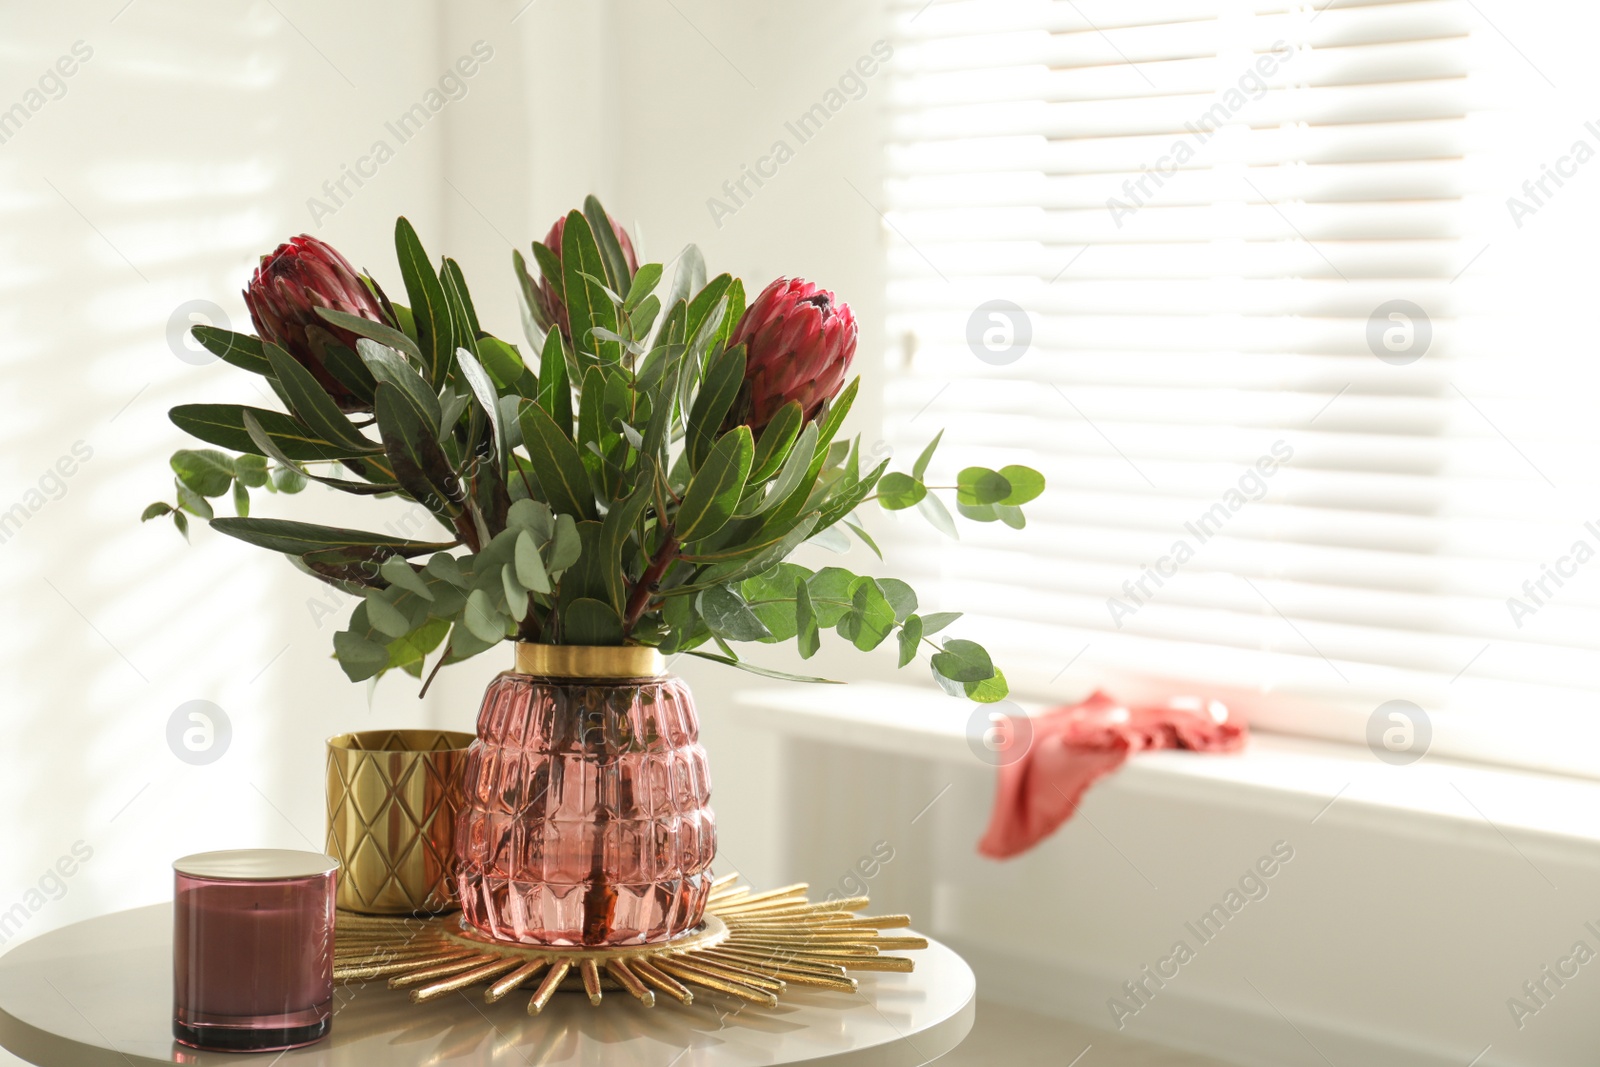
<point x="751" y="945"/>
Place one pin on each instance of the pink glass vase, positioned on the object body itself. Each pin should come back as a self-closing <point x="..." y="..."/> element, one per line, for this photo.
<point x="584" y="816"/>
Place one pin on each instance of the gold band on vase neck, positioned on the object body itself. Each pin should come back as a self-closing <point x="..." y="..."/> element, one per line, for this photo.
<point x="589" y="661"/>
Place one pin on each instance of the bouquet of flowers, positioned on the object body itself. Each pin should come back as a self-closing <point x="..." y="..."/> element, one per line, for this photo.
<point x="639" y="476"/>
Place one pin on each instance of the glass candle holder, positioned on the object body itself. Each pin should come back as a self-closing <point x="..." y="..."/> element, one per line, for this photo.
<point x="252" y="949"/>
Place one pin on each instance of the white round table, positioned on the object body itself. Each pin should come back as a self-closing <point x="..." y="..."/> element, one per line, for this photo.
<point x="99" y="994"/>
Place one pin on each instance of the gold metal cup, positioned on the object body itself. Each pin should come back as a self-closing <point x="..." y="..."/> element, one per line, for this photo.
<point x="392" y="798"/>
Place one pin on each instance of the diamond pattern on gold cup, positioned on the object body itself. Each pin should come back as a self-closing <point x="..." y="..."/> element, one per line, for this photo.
<point x="392" y="798"/>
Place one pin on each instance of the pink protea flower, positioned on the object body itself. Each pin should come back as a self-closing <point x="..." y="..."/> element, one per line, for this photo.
<point x="284" y="293"/>
<point x="799" y="342"/>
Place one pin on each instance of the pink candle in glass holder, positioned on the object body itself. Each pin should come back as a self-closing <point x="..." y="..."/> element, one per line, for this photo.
<point x="252" y="949"/>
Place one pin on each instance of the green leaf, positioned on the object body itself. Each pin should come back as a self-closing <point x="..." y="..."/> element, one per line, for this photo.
<point x="534" y="516"/>
<point x="385" y="617"/>
<point x="704" y="305"/>
<point x="534" y="323"/>
<point x="791" y="479"/>
<point x="910" y="637"/>
<point x="844" y="497"/>
<point x="977" y="512"/>
<point x="241" y="499"/>
<point x="1026" y="484"/>
<point x="459" y="301"/>
<point x="934" y="511"/>
<point x="481" y="618"/>
<point x="641" y="318"/>
<point x="530" y="568"/>
<point x="1009" y="515"/>
<point x="358" y="657"/>
<point x="770" y="550"/>
<point x="397" y="572"/>
<point x="207" y="472"/>
<point x="614" y="531"/>
<point x="387" y="365"/>
<point x="347" y="369"/>
<point x="155" y="511"/>
<point x="410" y="649"/>
<point x="732" y="315"/>
<point x="464" y="644"/>
<point x="714" y="493"/>
<point x="919" y="469"/>
<point x="644" y="284"/>
<point x="976" y="486"/>
<point x="591" y="622"/>
<point x="989" y="690"/>
<point x="616" y="264"/>
<point x="484" y="392"/>
<point x="689" y="278"/>
<point x="963" y="661"/>
<point x="555" y="390"/>
<point x="829" y="426"/>
<point x="728" y="616"/>
<point x="870" y="619"/>
<point x="776" y="442"/>
<point x="586" y="577"/>
<point x="428" y="306"/>
<point x="765" y="672"/>
<point x="420" y="464"/>
<point x="831" y="594"/>
<point x="268" y="445"/>
<point x="447" y="568"/>
<point x="935" y="621"/>
<point x="223" y="425"/>
<point x="866" y="539"/>
<point x="287" y="480"/>
<point x="502" y="361"/>
<point x="555" y="459"/>
<point x="900" y="595"/>
<point x="298" y="538"/>
<point x="516" y="595"/>
<point x="587" y="304"/>
<point x="566" y="547"/>
<point x="240" y="349"/>
<point x="897" y="491"/>
<point x="250" y="470"/>
<point x="771" y="596"/>
<point x="193" y="502"/>
<point x="832" y="540"/>
<point x="807" y="634"/>
<point x="724" y="378"/>
<point x="181" y="521"/>
<point x="378" y="332"/>
<point x="312" y="404"/>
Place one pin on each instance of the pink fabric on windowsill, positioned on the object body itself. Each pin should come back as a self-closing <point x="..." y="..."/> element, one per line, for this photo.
<point x="1068" y="749"/>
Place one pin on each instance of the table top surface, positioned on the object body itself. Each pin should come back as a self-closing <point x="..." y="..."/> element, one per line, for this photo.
<point x="99" y="992"/>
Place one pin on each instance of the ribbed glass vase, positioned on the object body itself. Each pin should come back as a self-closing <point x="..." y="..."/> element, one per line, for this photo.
<point x="585" y="816"/>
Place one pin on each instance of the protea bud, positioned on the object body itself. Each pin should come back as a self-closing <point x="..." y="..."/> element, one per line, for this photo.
<point x="799" y="342"/>
<point x="284" y="293"/>
<point x="554" y="310"/>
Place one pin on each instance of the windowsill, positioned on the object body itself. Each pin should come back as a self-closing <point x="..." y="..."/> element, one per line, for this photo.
<point x="1321" y="781"/>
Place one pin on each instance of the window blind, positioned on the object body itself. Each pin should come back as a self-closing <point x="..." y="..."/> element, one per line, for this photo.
<point x="1294" y="458"/>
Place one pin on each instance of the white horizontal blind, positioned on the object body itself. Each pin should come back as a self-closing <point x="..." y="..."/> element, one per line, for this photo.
<point x="1200" y="207"/>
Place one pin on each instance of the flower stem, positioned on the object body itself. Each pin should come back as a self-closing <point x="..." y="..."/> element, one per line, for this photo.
<point x="649" y="581"/>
